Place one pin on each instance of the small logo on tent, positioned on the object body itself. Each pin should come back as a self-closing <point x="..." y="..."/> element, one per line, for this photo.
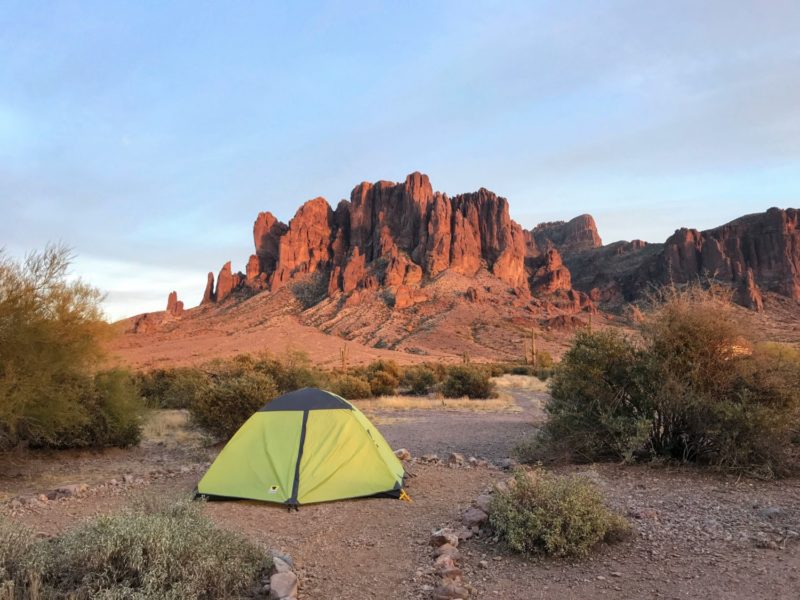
<point x="273" y="489"/>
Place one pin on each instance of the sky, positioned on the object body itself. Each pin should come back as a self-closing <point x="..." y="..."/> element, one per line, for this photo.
<point x="148" y="135"/>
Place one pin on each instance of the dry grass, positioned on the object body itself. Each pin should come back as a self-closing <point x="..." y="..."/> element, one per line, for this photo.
<point x="169" y="427"/>
<point x="503" y="403"/>
<point x="520" y="382"/>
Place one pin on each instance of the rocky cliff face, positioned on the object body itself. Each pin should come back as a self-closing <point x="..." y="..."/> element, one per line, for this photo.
<point x="760" y="251"/>
<point x="579" y="233"/>
<point x="753" y="254"/>
<point x="388" y="234"/>
<point x="399" y="236"/>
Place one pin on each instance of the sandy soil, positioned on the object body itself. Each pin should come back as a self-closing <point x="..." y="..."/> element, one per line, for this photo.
<point x="696" y="535"/>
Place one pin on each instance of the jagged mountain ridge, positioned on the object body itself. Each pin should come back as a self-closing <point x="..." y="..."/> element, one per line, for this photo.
<point x="394" y="236"/>
<point x="403" y="268"/>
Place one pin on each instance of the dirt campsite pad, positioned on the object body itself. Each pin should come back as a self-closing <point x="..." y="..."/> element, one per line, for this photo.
<point x="696" y="534"/>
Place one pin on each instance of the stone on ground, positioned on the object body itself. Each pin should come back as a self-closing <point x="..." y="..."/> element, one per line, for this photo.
<point x="473" y="517"/>
<point x="283" y="586"/>
<point x="444" y="536"/>
<point x="402" y="454"/>
<point x="455" y="459"/>
<point x="450" y="591"/>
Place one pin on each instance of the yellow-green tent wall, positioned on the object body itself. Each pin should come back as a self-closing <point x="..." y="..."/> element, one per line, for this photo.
<point x="304" y="447"/>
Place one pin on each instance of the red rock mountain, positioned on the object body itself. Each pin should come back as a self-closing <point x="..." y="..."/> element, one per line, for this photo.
<point x="389" y="235"/>
<point x="753" y="254"/>
<point x="396" y="236"/>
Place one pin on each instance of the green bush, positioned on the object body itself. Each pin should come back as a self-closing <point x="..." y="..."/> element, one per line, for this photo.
<point x="540" y="513"/>
<point x="419" y="380"/>
<point x="51" y="329"/>
<point x="472" y="382"/>
<point x="174" y="552"/>
<point x="382" y="383"/>
<point x="230" y="400"/>
<point x="293" y="371"/>
<point x="697" y="389"/>
<point x="598" y="398"/>
<point x="384" y="366"/>
<point x="350" y="387"/>
<point x="111" y="408"/>
<point x="176" y="388"/>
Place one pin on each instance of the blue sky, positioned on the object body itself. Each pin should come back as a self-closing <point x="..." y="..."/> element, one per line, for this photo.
<point x="148" y="135"/>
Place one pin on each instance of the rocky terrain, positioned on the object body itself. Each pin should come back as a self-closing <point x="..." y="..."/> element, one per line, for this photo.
<point x="403" y="268"/>
<point x="695" y="534"/>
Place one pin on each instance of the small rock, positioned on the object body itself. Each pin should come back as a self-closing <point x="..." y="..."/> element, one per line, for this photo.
<point x="283" y="585"/>
<point x="185" y="469"/>
<point x="483" y="502"/>
<point x="473" y="462"/>
<point x="75" y="489"/>
<point x="616" y="574"/>
<point x="402" y="454"/>
<point x="443" y="563"/>
<point x="484" y="564"/>
<point x="473" y="517"/>
<point x="128" y="478"/>
<point x="446" y="549"/>
<point x="444" y="536"/>
<point x="430" y="458"/>
<point x="464" y="534"/>
<point x="455" y="459"/>
<point x="450" y="591"/>
<point x="279" y="565"/>
<point x="507" y="463"/>
<point x="452" y="574"/>
<point x="284" y="557"/>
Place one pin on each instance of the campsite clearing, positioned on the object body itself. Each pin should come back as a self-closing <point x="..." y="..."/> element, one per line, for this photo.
<point x="697" y="535"/>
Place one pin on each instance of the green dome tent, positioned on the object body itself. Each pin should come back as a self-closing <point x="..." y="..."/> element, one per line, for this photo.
<point x="303" y="447"/>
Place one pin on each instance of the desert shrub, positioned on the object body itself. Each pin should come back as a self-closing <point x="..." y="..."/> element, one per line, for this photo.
<point x="383" y="376"/>
<point x="230" y="400"/>
<point x="698" y="389"/>
<point x="598" y="398"/>
<point x="111" y="409"/>
<point x="384" y="366"/>
<point x="541" y="513"/>
<point x="522" y="370"/>
<point x="494" y="369"/>
<point x="292" y="371"/>
<point x="350" y="387"/>
<point x="469" y="381"/>
<point x="721" y="399"/>
<point x="51" y="330"/>
<point x="419" y="380"/>
<point x="172" y="552"/>
<point x="544" y="360"/>
<point x="172" y="388"/>
<point x="382" y="383"/>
